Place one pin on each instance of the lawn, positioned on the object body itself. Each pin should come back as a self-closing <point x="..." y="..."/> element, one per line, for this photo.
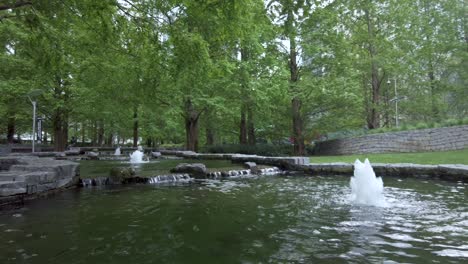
<point x="445" y="157"/>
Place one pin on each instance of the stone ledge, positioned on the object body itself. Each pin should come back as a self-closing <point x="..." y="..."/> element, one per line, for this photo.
<point x="27" y="175"/>
<point x="453" y="172"/>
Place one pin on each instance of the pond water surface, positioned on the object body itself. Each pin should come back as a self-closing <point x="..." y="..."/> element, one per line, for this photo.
<point x="268" y="219"/>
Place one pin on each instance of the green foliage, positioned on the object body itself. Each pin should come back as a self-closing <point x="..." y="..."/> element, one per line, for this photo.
<point x="258" y="149"/>
<point x="106" y="66"/>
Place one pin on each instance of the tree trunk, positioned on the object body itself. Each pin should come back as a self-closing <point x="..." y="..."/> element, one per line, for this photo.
<point x="209" y="130"/>
<point x="11" y="127"/>
<point x="149" y="142"/>
<point x="109" y="139"/>
<point x="83" y="132"/>
<point x="191" y="126"/>
<point x="135" y="127"/>
<point x="65" y="128"/>
<point x="251" y="126"/>
<point x="100" y="133"/>
<point x="243" y="127"/>
<point x="210" y="136"/>
<point x="299" y="148"/>
<point x="15" y="4"/>
<point x="60" y="117"/>
<point x="245" y="96"/>
<point x="94" y="139"/>
<point x="60" y="142"/>
<point x="434" y="108"/>
<point x="373" y="120"/>
<point x="297" y="124"/>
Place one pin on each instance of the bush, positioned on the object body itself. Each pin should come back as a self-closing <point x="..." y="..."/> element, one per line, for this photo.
<point x="172" y="146"/>
<point x="422" y="125"/>
<point x="259" y="149"/>
<point x="451" y="122"/>
<point x="464" y="121"/>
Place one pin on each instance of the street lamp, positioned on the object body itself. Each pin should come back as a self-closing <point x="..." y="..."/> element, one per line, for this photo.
<point x="32" y="99"/>
<point x="396" y="99"/>
<point x="34" y="103"/>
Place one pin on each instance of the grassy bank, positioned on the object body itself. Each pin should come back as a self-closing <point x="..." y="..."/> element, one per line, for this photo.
<point x="445" y="157"/>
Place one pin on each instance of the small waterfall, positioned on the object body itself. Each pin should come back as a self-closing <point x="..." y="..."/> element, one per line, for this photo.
<point x="270" y="171"/>
<point x="169" y="178"/>
<point x="244" y="173"/>
<point x="366" y="188"/>
<point x="94" y="181"/>
<point x="117" y="151"/>
<point x="215" y="174"/>
<point x="86" y="182"/>
<point x="238" y="173"/>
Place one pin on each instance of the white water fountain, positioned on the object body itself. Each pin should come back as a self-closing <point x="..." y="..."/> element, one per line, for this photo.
<point x="137" y="156"/>
<point x="366" y="188"/>
<point x="117" y="151"/>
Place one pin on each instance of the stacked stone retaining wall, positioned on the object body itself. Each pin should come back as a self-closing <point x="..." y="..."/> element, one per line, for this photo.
<point x="435" y="139"/>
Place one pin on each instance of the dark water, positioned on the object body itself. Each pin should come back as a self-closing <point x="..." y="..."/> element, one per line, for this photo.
<point x="257" y="220"/>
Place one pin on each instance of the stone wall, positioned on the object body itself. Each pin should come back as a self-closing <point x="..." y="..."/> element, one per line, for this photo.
<point x="435" y="139"/>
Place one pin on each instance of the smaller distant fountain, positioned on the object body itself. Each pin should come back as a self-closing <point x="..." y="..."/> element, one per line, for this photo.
<point x="137" y="156"/>
<point x="366" y="188"/>
<point x="117" y="151"/>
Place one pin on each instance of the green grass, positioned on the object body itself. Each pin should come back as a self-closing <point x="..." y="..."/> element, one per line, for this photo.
<point x="445" y="157"/>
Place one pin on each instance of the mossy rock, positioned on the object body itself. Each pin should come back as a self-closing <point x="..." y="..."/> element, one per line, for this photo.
<point x="121" y="175"/>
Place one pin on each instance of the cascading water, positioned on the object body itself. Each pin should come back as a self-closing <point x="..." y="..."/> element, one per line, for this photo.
<point x="366" y="188"/>
<point x="245" y="173"/>
<point x="169" y="178"/>
<point x="117" y="151"/>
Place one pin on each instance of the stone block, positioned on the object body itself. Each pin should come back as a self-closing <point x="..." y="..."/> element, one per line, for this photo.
<point x="156" y="154"/>
<point x="196" y="170"/>
<point x="252" y="166"/>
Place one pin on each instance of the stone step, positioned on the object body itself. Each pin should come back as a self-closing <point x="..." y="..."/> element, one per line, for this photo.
<point x="9" y="176"/>
<point x="32" y="168"/>
<point x="40" y="177"/>
<point x="12" y="188"/>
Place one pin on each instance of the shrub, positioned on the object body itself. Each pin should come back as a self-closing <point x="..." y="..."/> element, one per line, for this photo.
<point x="172" y="146"/>
<point x="465" y="121"/>
<point x="450" y="122"/>
<point x="258" y="149"/>
<point x="422" y="125"/>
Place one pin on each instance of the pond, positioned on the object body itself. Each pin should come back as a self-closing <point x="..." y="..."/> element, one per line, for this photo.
<point x="266" y="219"/>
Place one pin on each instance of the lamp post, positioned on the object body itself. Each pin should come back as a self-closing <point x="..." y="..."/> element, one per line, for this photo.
<point x="34" y="103"/>
<point x="396" y="102"/>
<point x="32" y="98"/>
<point x="396" y="99"/>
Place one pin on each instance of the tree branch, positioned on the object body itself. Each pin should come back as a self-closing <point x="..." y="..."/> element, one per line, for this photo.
<point x="15" y="5"/>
